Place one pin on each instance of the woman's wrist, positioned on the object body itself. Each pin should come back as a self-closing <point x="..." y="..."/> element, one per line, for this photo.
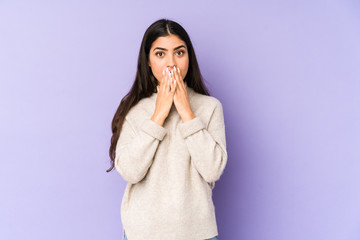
<point x="158" y="119"/>
<point x="188" y="117"/>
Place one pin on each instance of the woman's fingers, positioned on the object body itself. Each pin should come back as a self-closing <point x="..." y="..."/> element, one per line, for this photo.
<point x="168" y="82"/>
<point x="173" y="86"/>
<point x="171" y="78"/>
<point x="179" y="79"/>
<point x="164" y="80"/>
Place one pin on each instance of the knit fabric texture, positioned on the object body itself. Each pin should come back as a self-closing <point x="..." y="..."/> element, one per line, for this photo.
<point x="171" y="170"/>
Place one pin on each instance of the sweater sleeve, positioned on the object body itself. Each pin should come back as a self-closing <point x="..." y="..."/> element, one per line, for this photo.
<point x="207" y="147"/>
<point x="135" y="150"/>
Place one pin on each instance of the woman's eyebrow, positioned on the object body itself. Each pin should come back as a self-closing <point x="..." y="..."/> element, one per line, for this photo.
<point x="164" y="49"/>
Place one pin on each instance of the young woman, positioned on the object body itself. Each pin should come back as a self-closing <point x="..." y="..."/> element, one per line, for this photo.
<point x="168" y="142"/>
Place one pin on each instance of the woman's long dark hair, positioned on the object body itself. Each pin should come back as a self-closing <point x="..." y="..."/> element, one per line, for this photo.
<point x="145" y="82"/>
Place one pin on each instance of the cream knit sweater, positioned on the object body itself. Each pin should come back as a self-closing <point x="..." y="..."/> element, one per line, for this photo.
<point x="171" y="170"/>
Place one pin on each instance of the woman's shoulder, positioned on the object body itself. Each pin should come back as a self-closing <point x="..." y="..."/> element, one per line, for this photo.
<point x="142" y="109"/>
<point x="205" y="101"/>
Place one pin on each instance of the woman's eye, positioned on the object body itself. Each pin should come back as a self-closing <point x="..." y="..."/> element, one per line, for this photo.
<point x="160" y="54"/>
<point x="180" y="53"/>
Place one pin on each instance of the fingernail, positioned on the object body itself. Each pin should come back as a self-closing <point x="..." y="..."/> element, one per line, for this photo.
<point x="163" y="72"/>
<point x="178" y="70"/>
<point x="167" y="69"/>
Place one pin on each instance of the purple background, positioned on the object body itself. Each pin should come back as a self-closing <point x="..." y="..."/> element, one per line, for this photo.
<point x="286" y="72"/>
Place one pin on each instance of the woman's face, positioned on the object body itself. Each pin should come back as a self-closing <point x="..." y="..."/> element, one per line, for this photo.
<point x="168" y="51"/>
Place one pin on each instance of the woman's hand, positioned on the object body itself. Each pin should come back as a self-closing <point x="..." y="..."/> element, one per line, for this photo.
<point x="181" y="97"/>
<point x="165" y="97"/>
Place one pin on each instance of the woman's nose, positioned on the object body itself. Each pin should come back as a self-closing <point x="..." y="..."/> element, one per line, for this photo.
<point x="171" y="62"/>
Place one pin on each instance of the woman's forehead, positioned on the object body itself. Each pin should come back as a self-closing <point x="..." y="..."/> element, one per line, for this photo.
<point x="168" y="42"/>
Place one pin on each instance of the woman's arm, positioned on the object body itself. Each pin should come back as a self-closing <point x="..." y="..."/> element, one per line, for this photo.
<point x="207" y="147"/>
<point x="135" y="150"/>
